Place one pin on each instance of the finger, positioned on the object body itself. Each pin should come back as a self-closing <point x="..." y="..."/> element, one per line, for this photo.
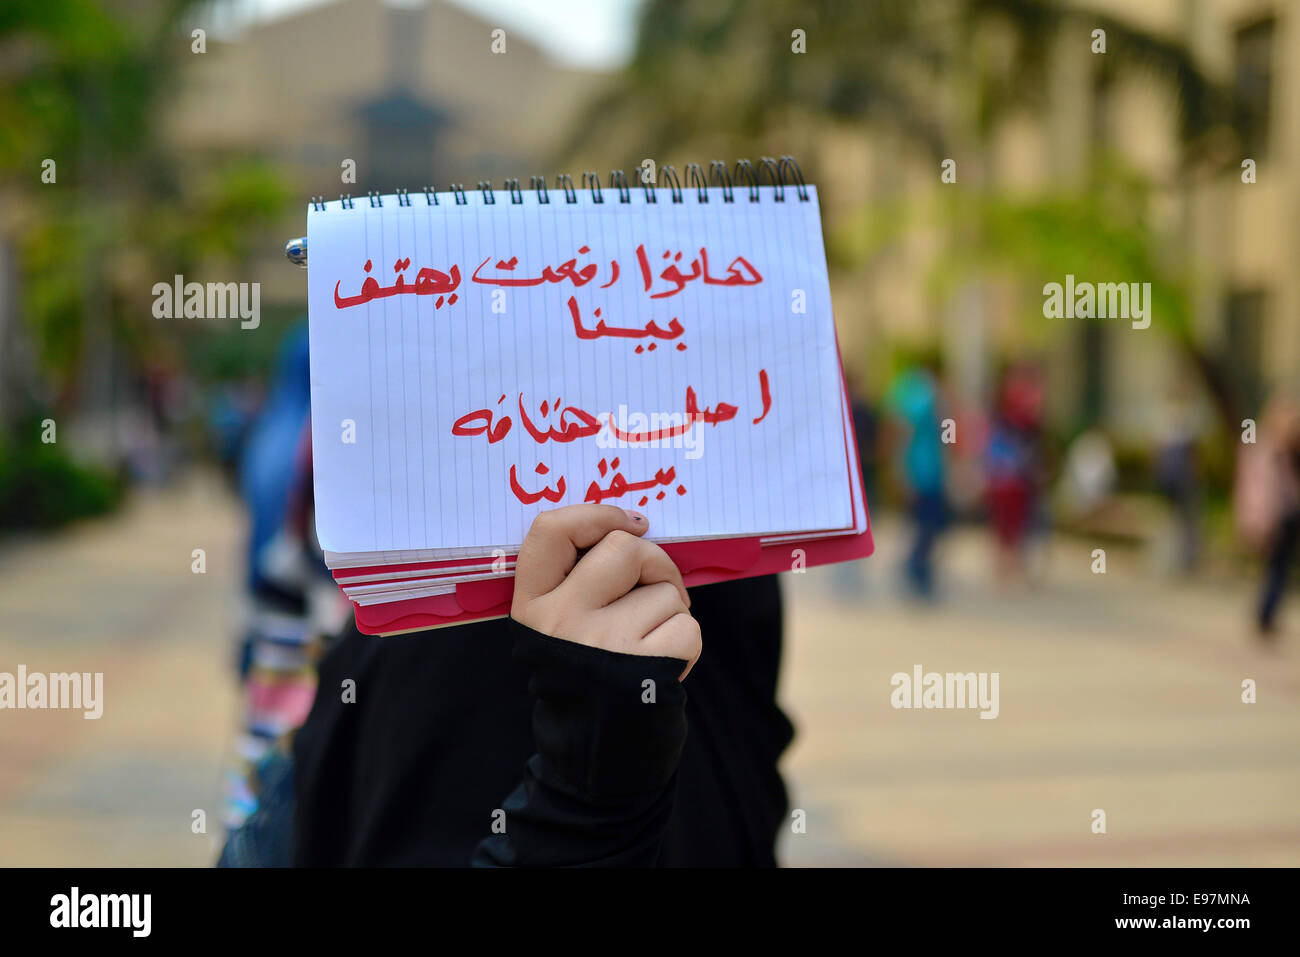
<point x="678" y="637"/>
<point x="617" y="564"/>
<point x="550" y="549"/>
<point x="640" y="612"/>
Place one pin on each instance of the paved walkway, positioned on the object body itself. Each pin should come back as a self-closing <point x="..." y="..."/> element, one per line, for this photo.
<point x="1116" y="692"/>
<point x="118" y="596"/>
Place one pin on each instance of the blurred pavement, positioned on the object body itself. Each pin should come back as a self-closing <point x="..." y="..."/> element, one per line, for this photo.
<point x="119" y="596"/>
<point x="1117" y="692"/>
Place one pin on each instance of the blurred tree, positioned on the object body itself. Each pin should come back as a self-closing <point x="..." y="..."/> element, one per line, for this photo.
<point x="708" y="65"/>
<point x="942" y="73"/>
<point x="83" y="84"/>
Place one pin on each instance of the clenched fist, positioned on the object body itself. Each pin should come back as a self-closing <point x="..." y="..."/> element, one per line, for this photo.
<point x="584" y="574"/>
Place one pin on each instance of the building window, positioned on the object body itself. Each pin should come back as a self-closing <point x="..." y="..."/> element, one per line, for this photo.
<point x="1095" y="357"/>
<point x="1253" y="85"/>
<point x="1103" y="106"/>
<point x="1244" y="347"/>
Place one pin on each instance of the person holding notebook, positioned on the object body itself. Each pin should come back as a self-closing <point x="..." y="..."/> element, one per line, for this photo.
<point x="616" y="719"/>
<point x="479" y="358"/>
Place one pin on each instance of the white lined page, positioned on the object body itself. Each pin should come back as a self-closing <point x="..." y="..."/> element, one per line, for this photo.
<point x="405" y="370"/>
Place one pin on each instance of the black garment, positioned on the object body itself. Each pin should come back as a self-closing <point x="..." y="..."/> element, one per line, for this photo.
<point x="1285" y="540"/>
<point x="443" y="733"/>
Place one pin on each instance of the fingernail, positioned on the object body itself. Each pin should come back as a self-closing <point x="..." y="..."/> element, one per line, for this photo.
<point x="635" y="516"/>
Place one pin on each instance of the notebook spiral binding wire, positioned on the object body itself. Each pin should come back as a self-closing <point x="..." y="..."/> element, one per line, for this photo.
<point x="779" y="173"/>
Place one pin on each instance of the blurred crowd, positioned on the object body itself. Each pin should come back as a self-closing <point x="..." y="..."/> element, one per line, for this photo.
<point x="944" y="461"/>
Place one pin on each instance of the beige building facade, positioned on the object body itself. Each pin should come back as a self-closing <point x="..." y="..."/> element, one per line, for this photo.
<point x="413" y="95"/>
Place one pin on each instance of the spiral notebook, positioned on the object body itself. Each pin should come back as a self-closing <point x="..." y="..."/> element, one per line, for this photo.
<point x="480" y="355"/>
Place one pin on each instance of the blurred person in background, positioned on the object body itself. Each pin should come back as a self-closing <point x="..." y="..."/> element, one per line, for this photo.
<point x="1087" y="484"/>
<point x="266" y="467"/>
<point x="231" y="410"/>
<point x="292" y="603"/>
<point x="1178" y="474"/>
<point x="1014" y="460"/>
<point x="1266" y="503"/>
<point x="913" y="401"/>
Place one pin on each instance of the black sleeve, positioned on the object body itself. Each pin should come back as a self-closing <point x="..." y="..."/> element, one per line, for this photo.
<point x="609" y="730"/>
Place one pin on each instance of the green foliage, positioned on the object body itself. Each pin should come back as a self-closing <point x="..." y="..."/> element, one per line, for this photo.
<point x="40" y="487"/>
<point x="81" y="81"/>
<point x="1103" y="230"/>
<point x="227" y="353"/>
<point x="235" y="195"/>
<point x="85" y="83"/>
<point x="706" y="68"/>
<point x="941" y="75"/>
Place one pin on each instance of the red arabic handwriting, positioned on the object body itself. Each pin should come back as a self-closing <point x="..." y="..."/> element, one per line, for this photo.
<point x="619" y="485"/>
<point x="552" y="495"/>
<point x="766" y="391"/>
<point x="434" y="282"/>
<point x="740" y="273"/>
<point x="567" y="270"/>
<point x="574" y="423"/>
<point x="428" y="282"/>
<point x="567" y="423"/>
<point x="724" y="413"/>
<point x="586" y="424"/>
<point x="651" y="328"/>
